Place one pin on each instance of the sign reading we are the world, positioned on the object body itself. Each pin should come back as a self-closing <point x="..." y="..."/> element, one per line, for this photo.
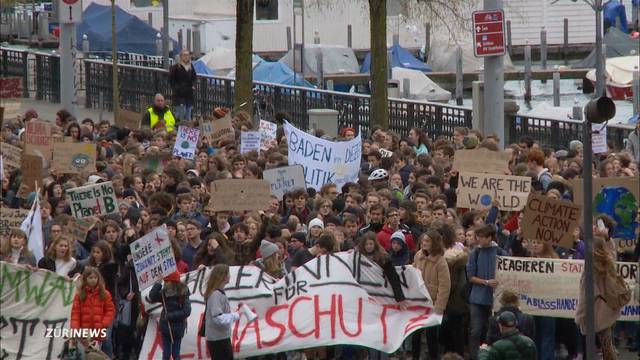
<point x="478" y="191"/>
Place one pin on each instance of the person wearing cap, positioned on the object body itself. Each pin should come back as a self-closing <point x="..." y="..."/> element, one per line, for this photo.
<point x="509" y="302"/>
<point x="159" y="116"/>
<point x="512" y="345"/>
<point x="270" y="260"/>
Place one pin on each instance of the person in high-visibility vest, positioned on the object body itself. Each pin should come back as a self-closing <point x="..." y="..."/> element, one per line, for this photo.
<point x="159" y="115"/>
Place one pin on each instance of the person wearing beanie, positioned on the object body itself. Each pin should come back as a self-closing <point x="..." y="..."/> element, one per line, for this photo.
<point x="316" y="226"/>
<point x="512" y="345"/>
<point x="509" y="303"/>
<point x="399" y="252"/>
<point x="271" y="260"/>
<point x="391" y="225"/>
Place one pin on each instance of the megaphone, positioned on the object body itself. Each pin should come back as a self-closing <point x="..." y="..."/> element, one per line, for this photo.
<point x="600" y="110"/>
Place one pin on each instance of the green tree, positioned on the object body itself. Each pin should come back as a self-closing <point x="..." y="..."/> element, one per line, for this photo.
<point x="244" y="52"/>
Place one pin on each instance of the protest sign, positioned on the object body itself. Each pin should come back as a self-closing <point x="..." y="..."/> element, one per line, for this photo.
<point x="11" y="155"/>
<point x="550" y="220"/>
<point x="186" y="142"/>
<point x="9" y="109"/>
<point x="385" y="153"/>
<point x="93" y="200"/>
<point x="31" y="170"/>
<point x="78" y="229"/>
<point x="477" y="191"/>
<point x="36" y="309"/>
<point x="268" y="137"/>
<point x="249" y="141"/>
<point x="551" y="287"/>
<point x="11" y="219"/>
<point x="74" y="158"/>
<point x="154" y="161"/>
<point x="38" y="140"/>
<point x="240" y="195"/>
<point x="599" y="138"/>
<point x="334" y="299"/>
<point x="153" y="257"/>
<point x="285" y="179"/>
<point x="324" y="161"/>
<point x="481" y="161"/>
<point x="218" y="129"/>
<point x="619" y="198"/>
<point x="128" y="119"/>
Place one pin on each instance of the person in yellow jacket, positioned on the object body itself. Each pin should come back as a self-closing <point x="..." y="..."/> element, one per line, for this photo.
<point x="159" y="115"/>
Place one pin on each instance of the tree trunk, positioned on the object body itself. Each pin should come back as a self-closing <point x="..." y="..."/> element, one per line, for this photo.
<point x="379" y="109"/>
<point x="244" y="52"/>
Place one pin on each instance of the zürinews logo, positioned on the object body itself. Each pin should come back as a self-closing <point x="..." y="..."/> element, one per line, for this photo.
<point x="75" y="333"/>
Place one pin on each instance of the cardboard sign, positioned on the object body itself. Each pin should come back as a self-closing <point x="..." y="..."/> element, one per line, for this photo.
<point x="481" y="160"/>
<point x="331" y="300"/>
<point x="186" y="142"/>
<point x="11" y="155"/>
<point x="619" y="198"/>
<point x="240" y="195"/>
<point x="218" y="129"/>
<point x="477" y="191"/>
<point x="599" y="138"/>
<point x="128" y="119"/>
<point x="36" y="300"/>
<point x="38" y="140"/>
<point x="31" y="171"/>
<point x="551" y="287"/>
<point x="155" y="162"/>
<point x="551" y="220"/>
<point x="11" y="219"/>
<point x="249" y="141"/>
<point x="285" y="179"/>
<point x="153" y="257"/>
<point x="74" y="158"/>
<point x="93" y="200"/>
<point x="324" y="161"/>
<point x="9" y="110"/>
<point x="268" y="135"/>
<point x="78" y="229"/>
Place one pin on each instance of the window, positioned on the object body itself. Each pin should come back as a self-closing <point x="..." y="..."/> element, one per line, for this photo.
<point x="266" y="10"/>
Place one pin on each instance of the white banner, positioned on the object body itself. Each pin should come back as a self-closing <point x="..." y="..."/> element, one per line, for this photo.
<point x="93" y="200"/>
<point x="186" y="142"/>
<point x="153" y="257"/>
<point x="324" y="161"/>
<point x="268" y="137"/>
<point x="285" y="179"/>
<point x="551" y="287"/>
<point x="336" y="299"/>
<point x="32" y="302"/>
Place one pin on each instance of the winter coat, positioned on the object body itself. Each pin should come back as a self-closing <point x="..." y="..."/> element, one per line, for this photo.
<point x="92" y="312"/>
<point x="604" y="316"/>
<point x="435" y="273"/>
<point x="401" y="257"/>
<point x="109" y="272"/>
<point x="482" y="264"/>
<point x="182" y="82"/>
<point x="633" y="145"/>
<point x="457" y="261"/>
<point x="176" y="306"/>
<point x="512" y="346"/>
<point x="50" y="264"/>
<point x="526" y="325"/>
<point x="384" y="237"/>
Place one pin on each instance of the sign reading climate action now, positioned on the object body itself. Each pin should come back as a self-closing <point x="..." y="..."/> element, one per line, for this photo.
<point x="551" y="220"/>
<point x="334" y="299"/>
<point x="93" y="200"/>
<point x="551" y="287"/>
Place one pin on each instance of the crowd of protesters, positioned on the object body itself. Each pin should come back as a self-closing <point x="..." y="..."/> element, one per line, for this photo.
<point x="401" y="211"/>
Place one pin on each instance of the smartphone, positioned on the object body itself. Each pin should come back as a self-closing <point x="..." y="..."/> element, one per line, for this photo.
<point x="600" y="225"/>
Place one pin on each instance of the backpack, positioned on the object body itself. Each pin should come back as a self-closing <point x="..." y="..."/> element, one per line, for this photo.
<point x="616" y="291"/>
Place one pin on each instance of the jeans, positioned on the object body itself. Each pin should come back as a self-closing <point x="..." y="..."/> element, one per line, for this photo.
<point x="478" y="320"/>
<point x="170" y="349"/>
<point x="545" y="337"/>
<point x="107" y="345"/>
<point x="182" y="112"/>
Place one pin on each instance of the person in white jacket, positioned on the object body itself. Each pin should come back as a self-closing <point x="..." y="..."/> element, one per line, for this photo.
<point x="218" y="317"/>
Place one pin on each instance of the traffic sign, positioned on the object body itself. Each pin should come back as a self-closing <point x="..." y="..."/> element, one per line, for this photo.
<point x="488" y="33"/>
<point x="69" y="11"/>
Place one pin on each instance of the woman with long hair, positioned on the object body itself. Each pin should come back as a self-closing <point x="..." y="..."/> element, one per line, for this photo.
<point x="271" y="261"/>
<point x="59" y="258"/>
<point x="419" y="140"/>
<point x="216" y="251"/>
<point x="15" y="250"/>
<point x="218" y="316"/>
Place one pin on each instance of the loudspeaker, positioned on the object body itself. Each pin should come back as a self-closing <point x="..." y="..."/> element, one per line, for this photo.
<point x="600" y="110"/>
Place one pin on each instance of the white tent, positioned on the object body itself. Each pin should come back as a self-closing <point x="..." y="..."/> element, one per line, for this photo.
<point x="335" y="60"/>
<point x="220" y="60"/>
<point x="420" y="86"/>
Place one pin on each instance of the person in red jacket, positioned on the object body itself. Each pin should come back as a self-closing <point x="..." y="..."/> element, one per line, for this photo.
<point x="391" y="225"/>
<point x="92" y="306"/>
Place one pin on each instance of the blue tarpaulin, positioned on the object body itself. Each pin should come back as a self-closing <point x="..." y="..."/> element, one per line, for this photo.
<point x="202" y="68"/>
<point x="613" y="10"/>
<point x="278" y="73"/>
<point x="133" y="34"/>
<point x="400" y="57"/>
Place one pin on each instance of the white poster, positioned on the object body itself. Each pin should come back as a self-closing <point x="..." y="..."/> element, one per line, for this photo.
<point x="35" y="308"/>
<point x="599" y="138"/>
<point x="324" y="161"/>
<point x="551" y="287"/>
<point x="186" y="142"/>
<point x="93" y="200"/>
<point x="333" y="299"/>
<point x="267" y="135"/>
<point x="249" y="141"/>
<point x="285" y="179"/>
<point x="153" y="257"/>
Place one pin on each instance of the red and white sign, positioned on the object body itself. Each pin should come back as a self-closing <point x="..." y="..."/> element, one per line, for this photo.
<point x="488" y="33"/>
<point x="69" y="11"/>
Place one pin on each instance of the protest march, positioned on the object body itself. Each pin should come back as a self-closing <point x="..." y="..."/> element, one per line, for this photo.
<point x="228" y="236"/>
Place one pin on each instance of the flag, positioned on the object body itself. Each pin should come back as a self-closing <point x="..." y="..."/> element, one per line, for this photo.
<point x="32" y="226"/>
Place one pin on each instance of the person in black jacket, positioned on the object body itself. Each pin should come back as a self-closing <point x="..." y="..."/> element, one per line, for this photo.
<point x="182" y="78"/>
<point x="525" y="323"/>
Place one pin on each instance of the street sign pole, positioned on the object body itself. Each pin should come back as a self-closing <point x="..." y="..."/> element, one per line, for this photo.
<point x="69" y="13"/>
<point x="489" y="41"/>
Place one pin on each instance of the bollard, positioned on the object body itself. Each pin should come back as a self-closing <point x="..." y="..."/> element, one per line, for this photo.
<point x="427" y="41"/>
<point x="158" y="44"/>
<point x="477" y="89"/>
<point x="636" y="91"/>
<point x="509" y="42"/>
<point x="189" y="40"/>
<point x="556" y="86"/>
<point x="406" y="88"/>
<point x="577" y="110"/>
<point x="85" y="44"/>
<point x="316" y="37"/>
<point x="565" y="43"/>
<point x="196" y="42"/>
<point x="349" y="36"/>
<point x="288" y="38"/>
<point x="396" y="39"/>
<point x="527" y="72"/>
<point x="543" y="50"/>
<point x="180" y="44"/>
<point x="389" y="69"/>
<point x="459" y="75"/>
<point x="319" y="64"/>
<point x="150" y="19"/>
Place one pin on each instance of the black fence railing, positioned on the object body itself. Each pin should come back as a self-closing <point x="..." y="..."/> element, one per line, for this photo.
<point x="47" y="75"/>
<point x="15" y="63"/>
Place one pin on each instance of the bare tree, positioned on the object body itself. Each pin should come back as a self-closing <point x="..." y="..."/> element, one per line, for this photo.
<point x="244" y="52"/>
<point x="379" y="108"/>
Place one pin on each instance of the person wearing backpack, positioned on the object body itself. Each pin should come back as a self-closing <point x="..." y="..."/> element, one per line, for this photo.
<point x="511" y="345"/>
<point x="176" y="308"/>
<point x="611" y="294"/>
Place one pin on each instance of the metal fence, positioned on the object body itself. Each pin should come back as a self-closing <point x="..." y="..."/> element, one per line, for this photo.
<point x="15" y="63"/>
<point x="47" y="74"/>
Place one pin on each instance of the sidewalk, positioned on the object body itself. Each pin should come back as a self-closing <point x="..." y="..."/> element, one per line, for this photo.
<point x="47" y="110"/>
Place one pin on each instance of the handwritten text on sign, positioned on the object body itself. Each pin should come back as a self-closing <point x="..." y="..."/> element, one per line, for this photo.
<point x="324" y="161"/>
<point x="249" y="141"/>
<point x="186" y="142"/>
<point x="32" y="302"/>
<point x="334" y="299"/>
<point x="268" y="131"/>
<point x="477" y="191"/>
<point x="153" y="257"/>
<point x="551" y="220"/>
<point x="285" y="179"/>
<point x="551" y="287"/>
<point x="11" y="219"/>
<point x="93" y="200"/>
